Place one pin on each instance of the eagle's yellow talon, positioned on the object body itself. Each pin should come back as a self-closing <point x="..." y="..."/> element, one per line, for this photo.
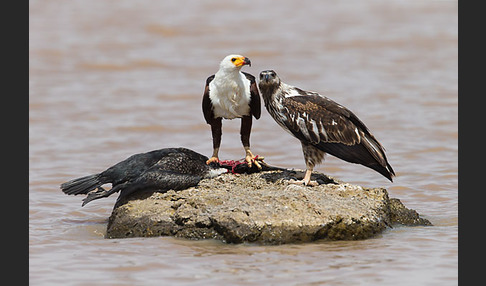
<point x="257" y="164"/>
<point x="253" y="159"/>
<point x="248" y="160"/>
<point x="212" y="159"/>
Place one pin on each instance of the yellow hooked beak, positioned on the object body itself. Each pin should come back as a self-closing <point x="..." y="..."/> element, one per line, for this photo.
<point x="241" y="61"/>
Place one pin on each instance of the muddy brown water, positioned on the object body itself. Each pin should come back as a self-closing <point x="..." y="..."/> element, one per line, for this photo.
<point x="109" y="79"/>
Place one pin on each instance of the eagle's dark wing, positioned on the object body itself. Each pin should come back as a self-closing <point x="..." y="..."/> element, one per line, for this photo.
<point x="207" y="106"/>
<point x="255" y="104"/>
<point x="332" y="128"/>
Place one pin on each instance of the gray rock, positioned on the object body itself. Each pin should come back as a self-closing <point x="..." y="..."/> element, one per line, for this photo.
<point x="261" y="207"/>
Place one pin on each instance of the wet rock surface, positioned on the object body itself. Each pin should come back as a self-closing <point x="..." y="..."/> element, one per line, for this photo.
<point x="261" y="207"/>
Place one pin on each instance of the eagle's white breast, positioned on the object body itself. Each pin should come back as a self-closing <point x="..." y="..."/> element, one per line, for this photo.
<point x="230" y="96"/>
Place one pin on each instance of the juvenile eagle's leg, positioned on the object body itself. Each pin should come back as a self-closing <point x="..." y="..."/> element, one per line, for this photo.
<point x="312" y="157"/>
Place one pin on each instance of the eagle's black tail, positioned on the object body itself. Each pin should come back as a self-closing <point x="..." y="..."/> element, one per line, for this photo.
<point x="81" y="185"/>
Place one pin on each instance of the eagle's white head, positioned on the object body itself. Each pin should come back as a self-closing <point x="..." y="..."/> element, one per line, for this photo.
<point x="234" y="62"/>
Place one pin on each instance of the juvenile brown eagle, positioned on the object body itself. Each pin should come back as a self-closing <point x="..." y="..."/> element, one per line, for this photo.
<point x="322" y="126"/>
<point x="231" y="94"/>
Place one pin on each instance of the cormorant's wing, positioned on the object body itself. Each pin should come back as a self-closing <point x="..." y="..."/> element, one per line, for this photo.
<point x="161" y="180"/>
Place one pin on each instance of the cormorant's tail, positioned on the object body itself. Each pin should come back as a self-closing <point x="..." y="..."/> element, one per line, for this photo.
<point x="81" y="185"/>
<point x="101" y="193"/>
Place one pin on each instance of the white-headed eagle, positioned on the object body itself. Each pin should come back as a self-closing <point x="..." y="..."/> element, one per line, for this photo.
<point x="322" y="126"/>
<point x="231" y="94"/>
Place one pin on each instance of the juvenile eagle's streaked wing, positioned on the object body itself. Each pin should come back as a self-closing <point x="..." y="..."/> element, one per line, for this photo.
<point x="329" y="126"/>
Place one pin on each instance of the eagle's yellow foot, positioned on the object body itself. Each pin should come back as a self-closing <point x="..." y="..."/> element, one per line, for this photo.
<point x="212" y="159"/>
<point x="250" y="159"/>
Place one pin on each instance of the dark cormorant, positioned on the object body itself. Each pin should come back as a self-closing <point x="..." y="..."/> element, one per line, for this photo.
<point x="164" y="169"/>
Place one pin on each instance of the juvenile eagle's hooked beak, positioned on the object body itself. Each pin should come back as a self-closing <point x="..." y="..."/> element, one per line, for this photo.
<point x="267" y="76"/>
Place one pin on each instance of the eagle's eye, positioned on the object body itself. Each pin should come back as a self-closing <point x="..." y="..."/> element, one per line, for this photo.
<point x="233" y="59"/>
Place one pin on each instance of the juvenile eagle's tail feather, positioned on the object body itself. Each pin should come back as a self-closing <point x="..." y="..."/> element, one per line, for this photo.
<point x="378" y="152"/>
<point x="359" y="154"/>
<point x="81" y="185"/>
